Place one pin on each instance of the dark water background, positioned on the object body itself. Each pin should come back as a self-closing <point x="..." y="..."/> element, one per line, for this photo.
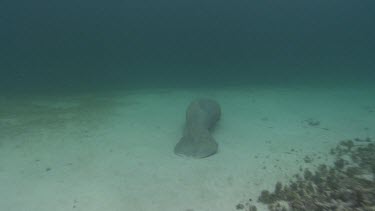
<point x="88" y="45"/>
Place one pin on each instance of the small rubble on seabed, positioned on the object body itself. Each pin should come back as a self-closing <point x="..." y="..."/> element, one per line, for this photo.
<point x="349" y="184"/>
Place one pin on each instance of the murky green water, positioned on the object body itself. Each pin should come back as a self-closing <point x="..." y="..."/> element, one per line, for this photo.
<point x="87" y="45"/>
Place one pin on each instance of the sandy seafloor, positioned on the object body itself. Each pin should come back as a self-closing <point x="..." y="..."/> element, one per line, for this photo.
<point x="113" y="151"/>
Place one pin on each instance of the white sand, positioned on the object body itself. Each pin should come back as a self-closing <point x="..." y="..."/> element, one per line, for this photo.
<point x="114" y="151"/>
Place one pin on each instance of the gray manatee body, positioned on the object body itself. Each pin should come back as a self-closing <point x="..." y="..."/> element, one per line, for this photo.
<point x="197" y="141"/>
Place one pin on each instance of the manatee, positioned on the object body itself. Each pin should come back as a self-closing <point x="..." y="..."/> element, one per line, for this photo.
<point x="197" y="141"/>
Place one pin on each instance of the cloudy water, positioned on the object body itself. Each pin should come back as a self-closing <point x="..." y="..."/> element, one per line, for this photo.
<point x="85" y="45"/>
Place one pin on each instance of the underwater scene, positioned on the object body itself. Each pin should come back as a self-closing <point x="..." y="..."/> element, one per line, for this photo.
<point x="187" y="105"/>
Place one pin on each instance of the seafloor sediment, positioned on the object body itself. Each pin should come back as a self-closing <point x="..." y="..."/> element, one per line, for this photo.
<point x="349" y="184"/>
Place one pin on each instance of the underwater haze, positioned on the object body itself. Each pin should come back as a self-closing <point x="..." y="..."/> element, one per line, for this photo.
<point x="187" y="105"/>
<point x="88" y="45"/>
